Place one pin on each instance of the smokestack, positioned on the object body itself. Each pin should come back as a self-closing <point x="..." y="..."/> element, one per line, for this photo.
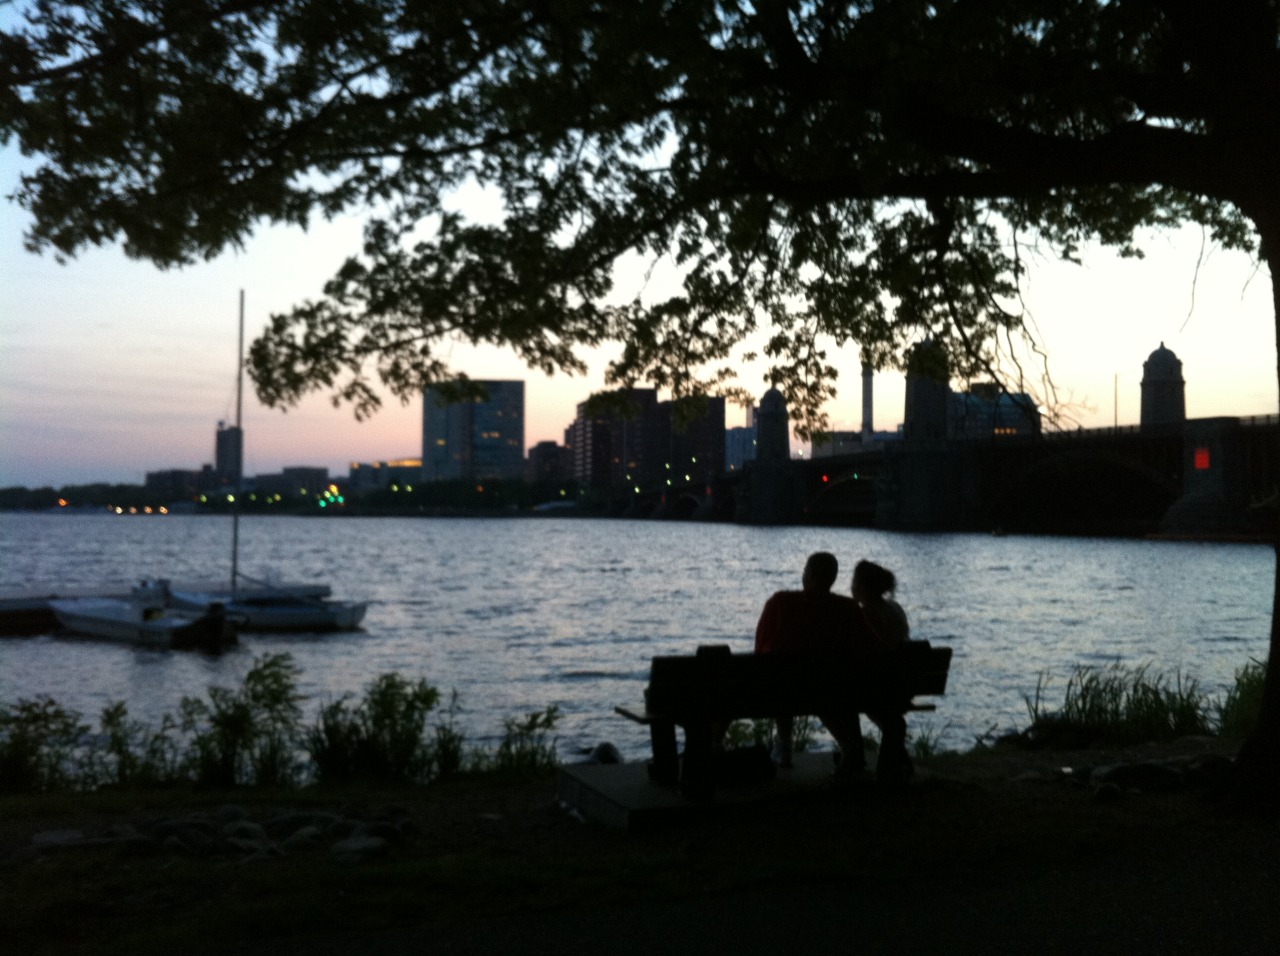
<point x="867" y="417"/>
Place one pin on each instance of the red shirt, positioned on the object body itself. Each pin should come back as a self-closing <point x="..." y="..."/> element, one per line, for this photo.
<point x="803" y="622"/>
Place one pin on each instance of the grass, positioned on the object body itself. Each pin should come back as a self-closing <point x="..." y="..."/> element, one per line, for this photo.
<point x="1116" y="705"/>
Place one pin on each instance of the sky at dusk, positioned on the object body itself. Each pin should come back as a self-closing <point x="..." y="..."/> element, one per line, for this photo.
<point x="110" y="368"/>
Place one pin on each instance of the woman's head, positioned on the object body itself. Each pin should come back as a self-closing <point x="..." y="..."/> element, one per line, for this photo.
<point x="870" y="580"/>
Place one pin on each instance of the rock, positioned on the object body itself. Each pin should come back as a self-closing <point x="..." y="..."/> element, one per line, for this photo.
<point x="57" y="839"/>
<point x="1108" y="793"/>
<point x="341" y="828"/>
<point x="1150" y="777"/>
<point x="230" y="813"/>
<point x="1037" y="776"/>
<point x="283" y="825"/>
<point x="1209" y="770"/>
<point x="304" y="838"/>
<point x="191" y="840"/>
<point x="245" y="830"/>
<point x="605" y="753"/>
<point x="249" y="846"/>
<point x="379" y="828"/>
<point x="358" y="848"/>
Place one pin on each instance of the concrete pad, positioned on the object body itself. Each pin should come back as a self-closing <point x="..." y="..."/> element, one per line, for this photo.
<point x="623" y="796"/>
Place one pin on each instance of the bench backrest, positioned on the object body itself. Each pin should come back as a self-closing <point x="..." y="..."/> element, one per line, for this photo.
<point x="717" y="682"/>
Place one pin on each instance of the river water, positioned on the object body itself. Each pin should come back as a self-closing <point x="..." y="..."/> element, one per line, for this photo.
<point x="519" y="614"/>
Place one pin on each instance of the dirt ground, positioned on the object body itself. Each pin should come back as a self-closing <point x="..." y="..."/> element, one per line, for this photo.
<point x="991" y="852"/>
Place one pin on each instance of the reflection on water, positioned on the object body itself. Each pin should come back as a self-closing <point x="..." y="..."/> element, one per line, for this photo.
<point x="517" y="614"/>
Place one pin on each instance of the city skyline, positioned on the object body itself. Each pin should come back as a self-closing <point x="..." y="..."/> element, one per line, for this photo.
<point x="110" y="368"/>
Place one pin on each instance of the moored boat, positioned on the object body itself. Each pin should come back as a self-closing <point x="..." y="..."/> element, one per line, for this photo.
<point x="275" y="609"/>
<point x="143" y="623"/>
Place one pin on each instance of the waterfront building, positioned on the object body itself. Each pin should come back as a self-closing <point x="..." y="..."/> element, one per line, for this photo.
<point x="628" y="441"/>
<point x="928" y="393"/>
<point x="587" y="439"/>
<point x="987" y="411"/>
<point x="380" y="475"/>
<point x="549" y="462"/>
<point x="174" y="484"/>
<point x="739" y="447"/>
<point x="298" y="480"/>
<point x="474" y="439"/>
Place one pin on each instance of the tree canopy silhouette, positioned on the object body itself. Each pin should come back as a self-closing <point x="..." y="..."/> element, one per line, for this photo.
<point x="816" y="172"/>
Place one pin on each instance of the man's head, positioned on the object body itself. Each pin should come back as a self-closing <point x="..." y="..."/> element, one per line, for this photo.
<point x="820" y="571"/>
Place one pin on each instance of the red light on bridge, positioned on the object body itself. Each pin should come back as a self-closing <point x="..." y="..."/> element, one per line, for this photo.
<point x="825" y="479"/>
<point x="1202" y="459"/>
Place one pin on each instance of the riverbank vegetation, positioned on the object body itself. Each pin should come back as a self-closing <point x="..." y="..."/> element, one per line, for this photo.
<point x="397" y="733"/>
<point x="255" y="735"/>
<point x="1115" y="705"/>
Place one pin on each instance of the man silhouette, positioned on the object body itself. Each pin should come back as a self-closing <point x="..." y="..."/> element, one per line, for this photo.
<point x="813" y="621"/>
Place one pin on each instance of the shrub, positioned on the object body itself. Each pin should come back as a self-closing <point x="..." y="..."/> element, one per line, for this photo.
<point x="134" y="756"/>
<point x="525" y="747"/>
<point x="38" y="745"/>
<point x="249" y="735"/>
<point x="382" y="737"/>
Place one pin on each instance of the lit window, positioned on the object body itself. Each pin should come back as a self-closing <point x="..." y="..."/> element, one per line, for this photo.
<point x="1202" y="459"/>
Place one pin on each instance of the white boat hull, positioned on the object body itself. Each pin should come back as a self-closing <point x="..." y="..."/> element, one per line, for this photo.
<point x="278" y="612"/>
<point x="143" y="625"/>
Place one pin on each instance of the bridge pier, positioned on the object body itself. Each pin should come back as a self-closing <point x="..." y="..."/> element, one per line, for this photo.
<point x="1215" y="497"/>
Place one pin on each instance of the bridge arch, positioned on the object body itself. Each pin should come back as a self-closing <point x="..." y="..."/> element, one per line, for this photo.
<point x="1085" y="491"/>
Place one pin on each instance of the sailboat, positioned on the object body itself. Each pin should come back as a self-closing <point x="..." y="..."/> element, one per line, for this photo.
<point x="260" y="606"/>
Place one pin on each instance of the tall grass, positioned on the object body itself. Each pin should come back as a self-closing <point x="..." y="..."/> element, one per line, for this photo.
<point x="254" y="735"/>
<point x="763" y="731"/>
<point x="1120" y="705"/>
<point x="1238" y="713"/>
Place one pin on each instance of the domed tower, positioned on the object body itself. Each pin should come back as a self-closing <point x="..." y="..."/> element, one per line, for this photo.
<point x="1163" y="390"/>
<point x="928" y="389"/>
<point x="773" y="430"/>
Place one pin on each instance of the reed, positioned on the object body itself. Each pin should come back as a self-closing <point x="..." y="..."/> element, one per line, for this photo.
<point x="1119" y="705"/>
<point x="1238" y="712"/>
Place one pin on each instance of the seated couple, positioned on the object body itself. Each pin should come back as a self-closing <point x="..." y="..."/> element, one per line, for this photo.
<point x="815" y="621"/>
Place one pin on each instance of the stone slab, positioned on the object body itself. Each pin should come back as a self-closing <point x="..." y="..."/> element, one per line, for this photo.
<point x="623" y="796"/>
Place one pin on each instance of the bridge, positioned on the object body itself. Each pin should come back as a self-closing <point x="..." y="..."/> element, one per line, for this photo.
<point x="1215" y="476"/>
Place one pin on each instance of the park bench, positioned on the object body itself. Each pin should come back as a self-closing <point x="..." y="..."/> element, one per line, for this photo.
<point x="702" y="693"/>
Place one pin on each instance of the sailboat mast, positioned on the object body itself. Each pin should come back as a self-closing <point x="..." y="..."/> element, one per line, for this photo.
<point x="235" y="504"/>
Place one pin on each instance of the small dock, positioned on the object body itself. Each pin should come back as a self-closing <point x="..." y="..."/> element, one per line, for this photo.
<point x="24" y="613"/>
<point x="622" y="795"/>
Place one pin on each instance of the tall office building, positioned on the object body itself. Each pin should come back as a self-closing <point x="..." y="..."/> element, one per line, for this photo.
<point x="629" y="441"/>
<point x="228" y="454"/>
<point x="472" y="439"/>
